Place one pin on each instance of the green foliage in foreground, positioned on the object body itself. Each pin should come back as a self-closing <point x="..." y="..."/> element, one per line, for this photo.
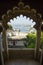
<point x="31" y="40"/>
<point x="41" y="41"/>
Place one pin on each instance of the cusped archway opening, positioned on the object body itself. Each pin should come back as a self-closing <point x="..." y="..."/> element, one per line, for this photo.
<point x="21" y="32"/>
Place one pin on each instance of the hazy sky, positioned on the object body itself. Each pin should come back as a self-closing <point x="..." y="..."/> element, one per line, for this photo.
<point x="21" y="21"/>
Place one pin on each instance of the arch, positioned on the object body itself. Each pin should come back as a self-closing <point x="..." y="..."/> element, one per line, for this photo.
<point x="27" y="11"/>
<point x="22" y="9"/>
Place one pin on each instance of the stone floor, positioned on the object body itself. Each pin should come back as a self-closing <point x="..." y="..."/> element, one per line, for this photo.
<point x="22" y="62"/>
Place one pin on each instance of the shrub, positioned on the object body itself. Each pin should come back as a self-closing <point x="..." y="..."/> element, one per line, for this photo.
<point x="31" y="39"/>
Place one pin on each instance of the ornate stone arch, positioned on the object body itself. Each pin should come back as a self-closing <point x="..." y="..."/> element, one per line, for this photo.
<point x="21" y="9"/>
<point x="27" y="11"/>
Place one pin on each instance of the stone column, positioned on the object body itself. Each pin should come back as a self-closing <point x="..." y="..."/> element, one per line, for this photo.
<point x="41" y="58"/>
<point x="4" y="41"/>
<point x="38" y="35"/>
<point x="2" y="59"/>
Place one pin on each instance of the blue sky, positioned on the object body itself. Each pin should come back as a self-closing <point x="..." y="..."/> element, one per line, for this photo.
<point x="21" y="21"/>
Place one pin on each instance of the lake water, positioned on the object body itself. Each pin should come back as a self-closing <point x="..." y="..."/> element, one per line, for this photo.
<point x="22" y="28"/>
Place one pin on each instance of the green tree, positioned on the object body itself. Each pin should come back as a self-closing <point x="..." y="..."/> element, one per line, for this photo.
<point x="41" y="40"/>
<point x="9" y="26"/>
<point x="31" y="39"/>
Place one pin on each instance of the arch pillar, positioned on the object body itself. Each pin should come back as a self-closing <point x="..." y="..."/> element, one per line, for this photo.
<point x="4" y="42"/>
<point x="1" y="47"/>
<point x="38" y="35"/>
<point x="2" y="59"/>
<point x="41" y="58"/>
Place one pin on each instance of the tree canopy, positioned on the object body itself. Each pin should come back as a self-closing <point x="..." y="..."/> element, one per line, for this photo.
<point x="9" y="26"/>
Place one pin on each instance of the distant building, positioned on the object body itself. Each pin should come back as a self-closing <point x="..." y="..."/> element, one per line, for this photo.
<point x="16" y="38"/>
